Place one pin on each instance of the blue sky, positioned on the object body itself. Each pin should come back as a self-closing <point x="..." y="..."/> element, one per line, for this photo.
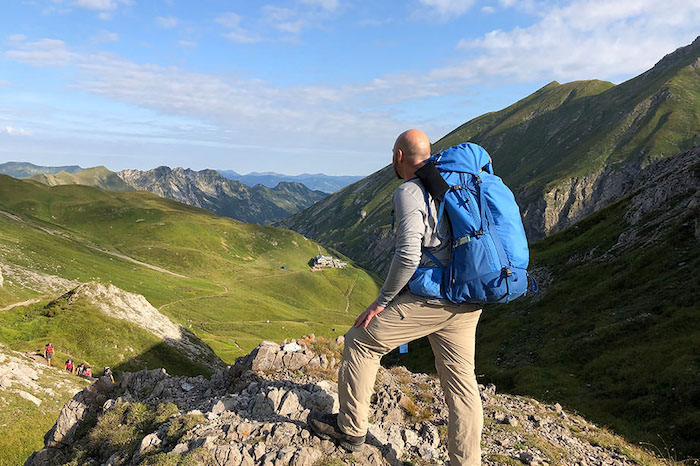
<point x="295" y="86"/>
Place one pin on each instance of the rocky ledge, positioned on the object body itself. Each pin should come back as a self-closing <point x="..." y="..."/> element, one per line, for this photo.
<point x="255" y="412"/>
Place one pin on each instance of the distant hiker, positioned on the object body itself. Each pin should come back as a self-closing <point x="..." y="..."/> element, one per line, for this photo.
<point x="397" y="316"/>
<point x="87" y="371"/>
<point x="80" y="368"/>
<point x="70" y="366"/>
<point x="108" y="373"/>
<point x="48" y="353"/>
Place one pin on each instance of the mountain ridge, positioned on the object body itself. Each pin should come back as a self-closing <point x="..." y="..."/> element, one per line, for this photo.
<point x="210" y="190"/>
<point x="99" y="177"/>
<point x="563" y="162"/>
<point x="26" y="169"/>
<point x="314" y="181"/>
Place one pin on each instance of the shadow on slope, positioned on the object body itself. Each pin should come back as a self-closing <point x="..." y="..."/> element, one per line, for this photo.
<point x="81" y="332"/>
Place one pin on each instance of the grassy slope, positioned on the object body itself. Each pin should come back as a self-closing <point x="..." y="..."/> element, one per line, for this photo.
<point x="235" y="282"/>
<point x="99" y="177"/>
<point x="84" y="335"/>
<point x="575" y="128"/>
<point x="23" y="424"/>
<point x="614" y="338"/>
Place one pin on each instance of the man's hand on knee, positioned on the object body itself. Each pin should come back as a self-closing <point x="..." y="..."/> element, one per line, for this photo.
<point x="366" y="317"/>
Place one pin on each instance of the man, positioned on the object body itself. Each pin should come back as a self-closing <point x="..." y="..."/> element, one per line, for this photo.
<point x="397" y="317"/>
<point x="48" y="353"/>
<point x="109" y="374"/>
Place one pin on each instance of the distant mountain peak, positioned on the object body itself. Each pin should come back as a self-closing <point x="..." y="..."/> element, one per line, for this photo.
<point x="210" y="190"/>
<point x="26" y="169"/>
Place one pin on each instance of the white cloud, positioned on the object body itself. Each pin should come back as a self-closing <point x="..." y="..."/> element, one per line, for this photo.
<point x="292" y="27"/>
<point x="229" y="20"/>
<point x="292" y="21"/>
<point x="167" y="22"/>
<point x="187" y="43"/>
<point x="449" y="8"/>
<point x="13" y="131"/>
<point x="582" y="40"/>
<point x="100" y="5"/>
<point x="241" y="36"/>
<point x="488" y="9"/>
<point x="276" y="13"/>
<point x="244" y="111"/>
<point x="237" y="33"/>
<point x="328" y="5"/>
<point x="105" y="8"/>
<point x="16" y="37"/>
<point x="103" y="37"/>
<point x="45" y="52"/>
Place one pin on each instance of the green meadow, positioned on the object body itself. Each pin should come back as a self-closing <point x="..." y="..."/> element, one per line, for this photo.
<point x="221" y="279"/>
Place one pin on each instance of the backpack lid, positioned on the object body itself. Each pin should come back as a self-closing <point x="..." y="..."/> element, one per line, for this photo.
<point x="466" y="157"/>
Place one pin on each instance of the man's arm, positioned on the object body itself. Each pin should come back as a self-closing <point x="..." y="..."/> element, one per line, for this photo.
<point x="410" y="229"/>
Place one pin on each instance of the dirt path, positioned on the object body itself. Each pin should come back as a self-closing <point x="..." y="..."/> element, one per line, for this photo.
<point x="92" y="246"/>
<point x="23" y="303"/>
<point x="226" y="291"/>
<point x="348" y="293"/>
<point x="131" y="259"/>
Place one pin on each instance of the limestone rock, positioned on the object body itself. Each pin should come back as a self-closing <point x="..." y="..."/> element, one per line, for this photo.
<point x="149" y="442"/>
<point x="259" y="418"/>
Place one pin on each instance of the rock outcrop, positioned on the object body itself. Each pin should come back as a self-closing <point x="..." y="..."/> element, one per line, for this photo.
<point x="135" y="308"/>
<point x="255" y="412"/>
<point x="578" y="197"/>
<point x="37" y="282"/>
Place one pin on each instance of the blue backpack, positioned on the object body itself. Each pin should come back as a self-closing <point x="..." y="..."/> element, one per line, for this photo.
<point x="489" y="258"/>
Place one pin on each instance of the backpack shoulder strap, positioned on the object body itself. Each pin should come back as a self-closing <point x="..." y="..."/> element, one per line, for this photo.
<point x="431" y="257"/>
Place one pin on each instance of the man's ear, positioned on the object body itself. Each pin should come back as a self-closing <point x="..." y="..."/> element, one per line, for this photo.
<point x="399" y="155"/>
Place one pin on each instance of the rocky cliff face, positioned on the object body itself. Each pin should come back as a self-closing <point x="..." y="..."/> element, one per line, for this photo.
<point x="209" y="190"/>
<point x="579" y="197"/>
<point x="255" y="412"/>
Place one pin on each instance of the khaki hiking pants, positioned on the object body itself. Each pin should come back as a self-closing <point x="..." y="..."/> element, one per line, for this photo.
<point x="451" y="330"/>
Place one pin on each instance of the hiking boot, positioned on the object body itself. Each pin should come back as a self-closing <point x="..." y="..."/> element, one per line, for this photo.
<point x="326" y="427"/>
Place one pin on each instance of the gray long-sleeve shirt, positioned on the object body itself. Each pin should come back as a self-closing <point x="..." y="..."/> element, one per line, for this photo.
<point x="414" y="228"/>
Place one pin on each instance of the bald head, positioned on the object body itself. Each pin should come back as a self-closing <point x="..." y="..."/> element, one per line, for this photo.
<point x="411" y="149"/>
<point x="414" y="144"/>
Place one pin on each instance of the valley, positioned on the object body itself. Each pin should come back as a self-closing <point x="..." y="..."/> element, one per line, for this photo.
<point x="103" y="274"/>
<point x="157" y="269"/>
